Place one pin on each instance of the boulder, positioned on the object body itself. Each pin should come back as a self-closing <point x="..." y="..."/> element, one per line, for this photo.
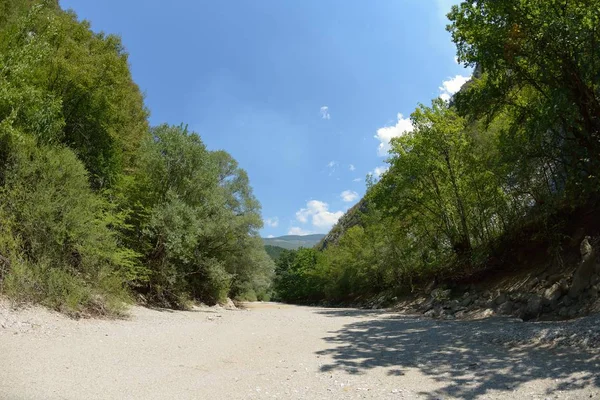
<point x="228" y="304"/>
<point x="574" y="311"/>
<point x="505" y="308"/>
<point x="487" y="313"/>
<point x="533" y="283"/>
<point x="552" y="294"/>
<point x="563" y="312"/>
<point x="534" y="305"/>
<point x="440" y="294"/>
<point x="429" y="288"/>
<point x="501" y="299"/>
<point x="466" y="301"/>
<point x="583" y="274"/>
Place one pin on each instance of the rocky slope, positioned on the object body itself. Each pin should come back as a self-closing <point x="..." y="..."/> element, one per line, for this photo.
<point x="540" y="295"/>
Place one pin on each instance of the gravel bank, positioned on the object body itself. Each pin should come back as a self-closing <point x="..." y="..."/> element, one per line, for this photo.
<point x="274" y="351"/>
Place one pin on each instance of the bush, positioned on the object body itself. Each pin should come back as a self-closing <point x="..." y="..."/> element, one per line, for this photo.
<point x="61" y="250"/>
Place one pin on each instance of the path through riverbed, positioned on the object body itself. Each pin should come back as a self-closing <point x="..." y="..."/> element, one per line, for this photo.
<point x="275" y="351"/>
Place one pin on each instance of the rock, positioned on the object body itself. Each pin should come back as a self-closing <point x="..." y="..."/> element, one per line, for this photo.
<point x="228" y="304"/>
<point x="440" y="294"/>
<point x="534" y="305"/>
<point x="552" y="294"/>
<point x="554" y="278"/>
<point x="595" y="279"/>
<point x="563" y="312"/>
<point x="430" y="314"/>
<point x="573" y="311"/>
<point x="583" y="274"/>
<point x="533" y="283"/>
<point x="505" y="308"/>
<point x="466" y="301"/>
<point x="487" y="313"/>
<point x="564" y="285"/>
<point x="501" y="299"/>
<point x="427" y="305"/>
<point x="429" y="288"/>
<point x="453" y="305"/>
<point x="567" y="301"/>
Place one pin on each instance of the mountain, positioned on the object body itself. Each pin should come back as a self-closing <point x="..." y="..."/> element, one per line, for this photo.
<point x="294" y="241"/>
<point x="347" y="221"/>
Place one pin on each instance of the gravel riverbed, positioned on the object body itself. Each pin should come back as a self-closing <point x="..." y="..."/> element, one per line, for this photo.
<point x="275" y="351"/>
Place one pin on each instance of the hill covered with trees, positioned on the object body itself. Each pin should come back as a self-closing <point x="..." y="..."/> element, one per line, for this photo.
<point x="96" y="206"/>
<point x="506" y="170"/>
<point x="292" y="242"/>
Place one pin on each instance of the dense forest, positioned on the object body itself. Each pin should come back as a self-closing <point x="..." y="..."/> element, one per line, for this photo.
<point x="97" y="208"/>
<point x="506" y="162"/>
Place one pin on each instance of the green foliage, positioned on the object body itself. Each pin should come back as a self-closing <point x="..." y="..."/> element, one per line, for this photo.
<point x="297" y="276"/>
<point x="62" y="251"/>
<point x="66" y="84"/>
<point x="274" y="251"/>
<point x="198" y="221"/>
<point x="93" y="203"/>
<point x="517" y="145"/>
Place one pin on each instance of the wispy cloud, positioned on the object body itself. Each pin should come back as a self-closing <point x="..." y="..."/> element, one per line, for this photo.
<point x="385" y="134"/>
<point x="351" y="167"/>
<point x="357" y="180"/>
<point x="452" y="85"/>
<point x="325" y="112"/>
<point x="296" y="230"/>
<point x="349" y="196"/>
<point x="272" y="222"/>
<point x="332" y="166"/>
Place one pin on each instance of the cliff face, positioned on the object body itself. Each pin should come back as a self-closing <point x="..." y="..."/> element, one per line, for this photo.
<point x="348" y="220"/>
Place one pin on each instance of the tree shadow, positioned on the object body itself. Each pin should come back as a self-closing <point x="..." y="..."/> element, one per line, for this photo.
<point x="461" y="355"/>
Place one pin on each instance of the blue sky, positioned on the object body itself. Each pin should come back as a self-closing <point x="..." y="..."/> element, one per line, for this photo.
<point x="304" y="94"/>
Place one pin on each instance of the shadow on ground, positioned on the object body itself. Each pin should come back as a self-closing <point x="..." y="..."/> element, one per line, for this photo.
<point x="460" y="355"/>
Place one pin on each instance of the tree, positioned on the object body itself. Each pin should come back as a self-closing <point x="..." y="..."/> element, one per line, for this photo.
<point x="540" y="63"/>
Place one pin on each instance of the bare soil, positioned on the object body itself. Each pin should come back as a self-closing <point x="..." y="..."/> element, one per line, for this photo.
<point x="275" y="351"/>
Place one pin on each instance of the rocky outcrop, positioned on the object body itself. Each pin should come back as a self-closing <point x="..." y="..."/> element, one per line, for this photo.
<point x="557" y="296"/>
<point x="347" y="221"/>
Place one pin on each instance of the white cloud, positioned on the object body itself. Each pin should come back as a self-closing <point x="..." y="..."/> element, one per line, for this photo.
<point x="357" y="180"/>
<point x="352" y="167"/>
<point x="349" y="196"/>
<point x="385" y="134"/>
<point x="317" y="212"/>
<point x="272" y="222"/>
<point x="325" y="113"/>
<point x="452" y="85"/>
<point x="270" y="237"/>
<point x="295" y="230"/>
<point x="378" y="171"/>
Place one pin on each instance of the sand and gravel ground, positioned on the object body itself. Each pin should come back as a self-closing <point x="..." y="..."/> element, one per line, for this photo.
<point x="274" y="351"/>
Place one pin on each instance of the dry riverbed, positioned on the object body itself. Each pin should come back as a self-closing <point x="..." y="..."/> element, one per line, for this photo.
<point x="275" y="351"/>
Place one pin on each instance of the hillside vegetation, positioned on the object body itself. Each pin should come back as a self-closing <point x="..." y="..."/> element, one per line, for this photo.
<point x="96" y="206"/>
<point x="292" y="242"/>
<point x="486" y="180"/>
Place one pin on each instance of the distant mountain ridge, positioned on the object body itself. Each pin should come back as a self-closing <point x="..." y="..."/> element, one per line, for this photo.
<point x="292" y="242"/>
